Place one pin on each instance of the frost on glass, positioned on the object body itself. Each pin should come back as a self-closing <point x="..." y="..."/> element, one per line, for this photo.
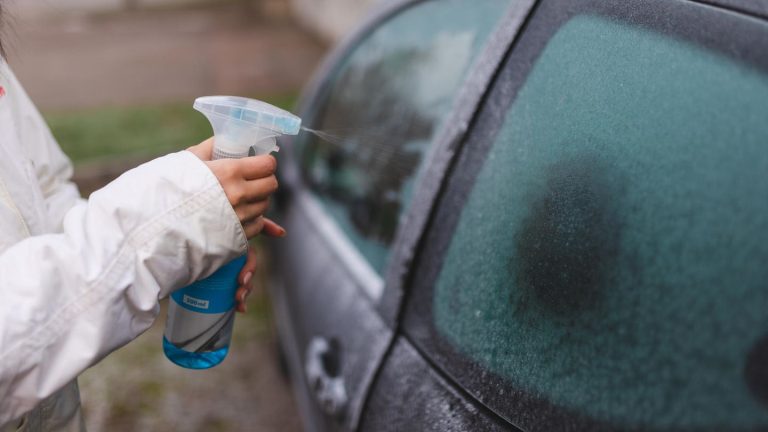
<point x="384" y="106"/>
<point x="611" y="257"/>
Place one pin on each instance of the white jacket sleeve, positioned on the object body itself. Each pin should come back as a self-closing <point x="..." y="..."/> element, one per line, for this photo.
<point x="70" y="299"/>
<point x="52" y="167"/>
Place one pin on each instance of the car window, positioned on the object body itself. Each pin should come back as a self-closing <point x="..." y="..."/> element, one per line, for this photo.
<point x="380" y="111"/>
<point x="608" y="267"/>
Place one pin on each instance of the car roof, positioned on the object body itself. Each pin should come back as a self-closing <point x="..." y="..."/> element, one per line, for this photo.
<point x="753" y="7"/>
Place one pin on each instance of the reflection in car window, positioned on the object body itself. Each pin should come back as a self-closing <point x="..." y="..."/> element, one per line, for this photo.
<point x="611" y="256"/>
<point x="383" y="108"/>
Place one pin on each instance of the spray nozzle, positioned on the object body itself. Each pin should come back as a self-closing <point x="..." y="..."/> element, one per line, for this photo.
<point x="240" y="124"/>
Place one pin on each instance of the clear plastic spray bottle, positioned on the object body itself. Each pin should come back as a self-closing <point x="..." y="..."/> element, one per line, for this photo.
<point x="201" y="315"/>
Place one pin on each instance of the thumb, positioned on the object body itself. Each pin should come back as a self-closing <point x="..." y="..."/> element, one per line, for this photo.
<point x="204" y="150"/>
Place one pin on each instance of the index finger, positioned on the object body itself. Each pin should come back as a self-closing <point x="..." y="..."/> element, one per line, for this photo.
<point x="256" y="167"/>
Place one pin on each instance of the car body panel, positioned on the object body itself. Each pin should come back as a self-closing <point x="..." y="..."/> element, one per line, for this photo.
<point x="342" y="295"/>
<point x="433" y="404"/>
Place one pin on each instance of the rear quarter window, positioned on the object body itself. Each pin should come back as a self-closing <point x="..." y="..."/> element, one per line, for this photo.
<point x="607" y="269"/>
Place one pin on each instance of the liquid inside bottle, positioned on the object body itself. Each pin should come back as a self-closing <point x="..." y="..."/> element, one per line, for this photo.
<point x="200" y="319"/>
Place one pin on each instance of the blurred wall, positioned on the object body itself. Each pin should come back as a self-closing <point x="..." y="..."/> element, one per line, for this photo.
<point x="52" y="7"/>
<point x="48" y="7"/>
<point x="332" y="19"/>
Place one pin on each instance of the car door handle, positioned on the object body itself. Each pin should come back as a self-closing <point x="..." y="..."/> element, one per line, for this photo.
<point x="323" y="370"/>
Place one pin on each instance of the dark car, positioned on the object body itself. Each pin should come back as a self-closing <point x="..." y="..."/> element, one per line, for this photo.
<point x="532" y="215"/>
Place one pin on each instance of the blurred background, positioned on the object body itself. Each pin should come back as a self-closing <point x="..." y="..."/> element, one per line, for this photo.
<point x="116" y="79"/>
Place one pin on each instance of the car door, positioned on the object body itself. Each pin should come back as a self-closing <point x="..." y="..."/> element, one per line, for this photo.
<point x="376" y="108"/>
<point x="596" y="257"/>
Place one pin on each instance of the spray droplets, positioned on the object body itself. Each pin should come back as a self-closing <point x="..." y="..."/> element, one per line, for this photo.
<point x="336" y="140"/>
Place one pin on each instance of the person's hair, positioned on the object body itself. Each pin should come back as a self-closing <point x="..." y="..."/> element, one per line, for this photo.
<point x="2" y="50"/>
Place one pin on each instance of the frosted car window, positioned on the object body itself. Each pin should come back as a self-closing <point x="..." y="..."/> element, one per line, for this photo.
<point x="609" y="262"/>
<point x="381" y="110"/>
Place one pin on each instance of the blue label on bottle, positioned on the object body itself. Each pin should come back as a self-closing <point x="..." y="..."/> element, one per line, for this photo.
<point x="214" y="294"/>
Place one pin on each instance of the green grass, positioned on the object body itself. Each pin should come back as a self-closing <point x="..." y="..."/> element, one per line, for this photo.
<point x="99" y="133"/>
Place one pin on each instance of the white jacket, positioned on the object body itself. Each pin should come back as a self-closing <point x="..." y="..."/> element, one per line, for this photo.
<point x="80" y="279"/>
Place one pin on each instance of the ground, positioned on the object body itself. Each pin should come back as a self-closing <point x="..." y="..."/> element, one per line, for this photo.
<point x="138" y="389"/>
<point x="117" y="89"/>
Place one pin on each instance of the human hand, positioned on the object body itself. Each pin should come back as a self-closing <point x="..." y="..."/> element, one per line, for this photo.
<point x="248" y="183"/>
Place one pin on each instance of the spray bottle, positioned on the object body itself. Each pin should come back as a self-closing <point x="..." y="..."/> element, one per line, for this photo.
<point x="201" y="315"/>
